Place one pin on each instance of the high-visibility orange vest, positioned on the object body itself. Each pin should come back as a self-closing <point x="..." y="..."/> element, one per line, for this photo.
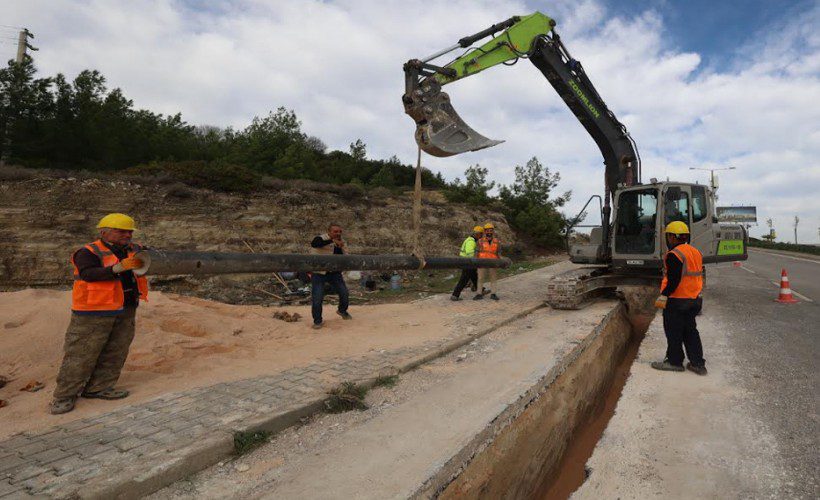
<point x="691" y="281"/>
<point x="103" y="296"/>
<point x="487" y="249"/>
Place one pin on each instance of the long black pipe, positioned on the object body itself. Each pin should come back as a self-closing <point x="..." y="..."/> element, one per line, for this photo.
<point x="204" y="263"/>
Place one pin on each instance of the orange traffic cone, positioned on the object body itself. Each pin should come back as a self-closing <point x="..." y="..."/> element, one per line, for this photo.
<point x="785" y="292"/>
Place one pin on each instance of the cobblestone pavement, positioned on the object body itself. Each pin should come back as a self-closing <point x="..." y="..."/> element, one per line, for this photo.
<point x="136" y="450"/>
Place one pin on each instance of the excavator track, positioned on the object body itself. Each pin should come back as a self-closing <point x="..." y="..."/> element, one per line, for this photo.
<point x="575" y="289"/>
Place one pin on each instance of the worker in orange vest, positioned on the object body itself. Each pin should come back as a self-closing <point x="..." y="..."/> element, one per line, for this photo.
<point x="681" y="301"/>
<point x="104" y="301"/>
<point x="488" y="248"/>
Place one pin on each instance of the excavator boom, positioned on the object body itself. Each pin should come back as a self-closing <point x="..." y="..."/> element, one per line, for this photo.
<point x="440" y="131"/>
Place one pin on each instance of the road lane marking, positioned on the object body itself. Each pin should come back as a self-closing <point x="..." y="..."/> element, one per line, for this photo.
<point x="747" y="270"/>
<point x="775" y="283"/>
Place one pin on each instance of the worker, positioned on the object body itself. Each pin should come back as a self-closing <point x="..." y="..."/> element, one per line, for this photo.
<point x="104" y="303"/>
<point x="681" y="301"/>
<point x="330" y="243"/>
<point x="488" y="248"/>
<point x="468" y="248"/>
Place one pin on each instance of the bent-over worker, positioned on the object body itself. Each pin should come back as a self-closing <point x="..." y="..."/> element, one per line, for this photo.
<point x="104" y="303"/>
<point x="329" y="243"/>
<point x="488" y="248"/>
<point x="468" y="248"/>
<point x="681" y="301"/>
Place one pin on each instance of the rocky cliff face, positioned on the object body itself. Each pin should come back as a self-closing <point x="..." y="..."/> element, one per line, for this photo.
<point x="42" y="220"/>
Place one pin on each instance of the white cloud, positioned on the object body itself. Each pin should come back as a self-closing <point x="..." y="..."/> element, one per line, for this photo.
<point x="338" y="65"/>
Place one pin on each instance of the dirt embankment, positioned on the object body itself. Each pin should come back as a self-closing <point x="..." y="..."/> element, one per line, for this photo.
<point x="42" y="220"/>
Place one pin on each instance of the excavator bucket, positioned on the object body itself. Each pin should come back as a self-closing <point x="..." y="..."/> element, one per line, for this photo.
<point x="439" y="129"/>
<point x="444" y="133"/>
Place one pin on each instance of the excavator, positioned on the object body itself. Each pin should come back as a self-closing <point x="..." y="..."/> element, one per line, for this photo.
<point x="627" y="247"/>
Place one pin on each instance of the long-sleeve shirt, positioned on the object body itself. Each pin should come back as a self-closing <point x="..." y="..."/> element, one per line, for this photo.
<point x="91" y="269"/>
<point x="322" y="242"/>
<point x="674" y="271"/>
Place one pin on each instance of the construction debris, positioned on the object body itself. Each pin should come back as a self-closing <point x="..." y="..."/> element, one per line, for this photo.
<point x="287" y="317"/>
<point x="33" y="386"/>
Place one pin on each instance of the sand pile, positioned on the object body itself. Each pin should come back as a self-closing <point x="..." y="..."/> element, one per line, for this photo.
<point x="184" y="342"/>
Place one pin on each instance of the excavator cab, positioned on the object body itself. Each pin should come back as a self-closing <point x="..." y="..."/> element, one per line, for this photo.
<point x="637" y="231"/>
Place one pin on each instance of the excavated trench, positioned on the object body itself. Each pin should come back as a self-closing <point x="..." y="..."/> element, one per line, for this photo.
<point x="542" y="452"/>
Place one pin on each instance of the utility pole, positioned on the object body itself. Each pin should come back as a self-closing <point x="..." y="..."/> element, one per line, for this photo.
<point x="796" y="220"/>
<point x="22" y="46"/>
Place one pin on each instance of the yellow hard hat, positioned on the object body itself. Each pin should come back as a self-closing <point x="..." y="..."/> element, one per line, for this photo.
<point x="117" y="221"/>
<point x="677" y="227"/>
<point x="489" y="225"/>
<point x="478" y="229"/>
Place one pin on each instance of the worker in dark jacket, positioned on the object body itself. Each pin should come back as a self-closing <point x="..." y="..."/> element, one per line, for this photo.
<point x="329" y="243"/>
<point x="681" y="301"/>
<point x="104" y="302"/>
<point x="468" y="249"/>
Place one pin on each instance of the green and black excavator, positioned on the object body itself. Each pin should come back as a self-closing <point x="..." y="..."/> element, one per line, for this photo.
<point x="627" y="248"/>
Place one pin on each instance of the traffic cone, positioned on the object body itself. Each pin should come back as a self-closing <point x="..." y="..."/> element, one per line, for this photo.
<point x="785" y="292"/>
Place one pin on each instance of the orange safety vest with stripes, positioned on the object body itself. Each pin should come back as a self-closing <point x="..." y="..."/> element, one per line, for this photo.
<point x="691" y="281"/>
<point x="488" y="249"/>
<point x="103" y="296"/>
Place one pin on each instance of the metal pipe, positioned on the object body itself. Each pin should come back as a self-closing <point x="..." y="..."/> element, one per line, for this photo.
<point x="161" y="262"/>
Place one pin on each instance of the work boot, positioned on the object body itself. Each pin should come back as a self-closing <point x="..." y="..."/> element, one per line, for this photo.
<point x="494" y="296"/>
<point x="474" y="287"/>
<point x="63" y="405"/>
<point x="344" y="314"/>
<point x="478" y="297"/>
<point x="454" y="298"/>
<point x="666" y="366"/>
<point x="700" y="370"/>
<point x="317" y="326"/>
<point x="109" y="394"/>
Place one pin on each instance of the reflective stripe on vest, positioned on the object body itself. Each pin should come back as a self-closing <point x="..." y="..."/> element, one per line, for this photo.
<point x="691" y="281"/>
<point x="103" y="296"/>
<point x="487" y="250"/>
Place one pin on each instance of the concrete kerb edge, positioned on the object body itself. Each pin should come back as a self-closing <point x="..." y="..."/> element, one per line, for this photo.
<point x="183" y="463"/>
<point x="450" y="470"/>
<point x="211" y="450"/>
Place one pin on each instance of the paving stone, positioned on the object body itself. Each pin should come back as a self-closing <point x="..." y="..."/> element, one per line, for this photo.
<point x="91" y="449"/>
<point x="75" y="440"/>
<point x="8" y="490"/>
<point x="28" y="472"/>
<point x="48" y="456"/>
<point x="12" y="462"/>
<point x="68" y="464"/>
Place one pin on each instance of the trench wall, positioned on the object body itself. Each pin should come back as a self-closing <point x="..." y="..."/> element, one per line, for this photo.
<point x="525" y="445"/>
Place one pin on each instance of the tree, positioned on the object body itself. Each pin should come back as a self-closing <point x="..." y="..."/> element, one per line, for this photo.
<point x="475" y="190"/>
<point x="528" y="205"/>
<point x="358" y="150"/>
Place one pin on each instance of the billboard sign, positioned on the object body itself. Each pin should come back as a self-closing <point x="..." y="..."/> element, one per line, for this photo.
<point x="746" y="215"/>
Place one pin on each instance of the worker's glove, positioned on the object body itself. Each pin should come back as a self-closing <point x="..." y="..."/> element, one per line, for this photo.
<point x="660" y="303"/>
<point x="127" y="265"/>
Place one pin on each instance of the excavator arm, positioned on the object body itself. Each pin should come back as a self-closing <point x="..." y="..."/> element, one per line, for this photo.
<point x="441" y="132"/>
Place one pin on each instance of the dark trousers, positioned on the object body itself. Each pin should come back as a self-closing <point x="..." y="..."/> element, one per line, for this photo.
<point x="467" y="275"/>
<point x="682" y="331"/>
<point x="336" y="282"/>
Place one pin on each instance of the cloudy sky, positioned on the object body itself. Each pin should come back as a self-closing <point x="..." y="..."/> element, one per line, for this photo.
<point x="698" y="83"/>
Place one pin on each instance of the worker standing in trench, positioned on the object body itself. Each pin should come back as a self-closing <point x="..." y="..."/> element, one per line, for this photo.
<point x="104" y="303"/>
<point x="468" y="249"/>
<point x="681" y="302"/>
<point x="330" y="243"/>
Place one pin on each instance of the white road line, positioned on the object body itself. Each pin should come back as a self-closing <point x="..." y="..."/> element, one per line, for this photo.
<point x="747" y="269"/>
<point x="775" y="283"/>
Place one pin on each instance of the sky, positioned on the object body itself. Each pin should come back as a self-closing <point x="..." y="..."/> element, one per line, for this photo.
<point x="698" y="83"/>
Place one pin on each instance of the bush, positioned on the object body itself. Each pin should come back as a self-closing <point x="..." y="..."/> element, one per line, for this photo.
<point x="217" y="176"/>
<point x="15" y="173"/>
<point x="753" y="242"/>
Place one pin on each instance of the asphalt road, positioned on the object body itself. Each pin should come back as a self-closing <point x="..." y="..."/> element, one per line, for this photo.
<point x="777" y="347"/>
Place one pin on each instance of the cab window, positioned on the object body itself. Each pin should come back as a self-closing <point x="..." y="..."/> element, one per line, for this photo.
<point x="635" y="224"/>
<point x="676" y="206"/>
<point x="698" y="203"/>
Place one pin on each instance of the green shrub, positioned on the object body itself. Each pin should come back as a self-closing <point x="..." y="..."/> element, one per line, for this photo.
<point x="217" y="176"/>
